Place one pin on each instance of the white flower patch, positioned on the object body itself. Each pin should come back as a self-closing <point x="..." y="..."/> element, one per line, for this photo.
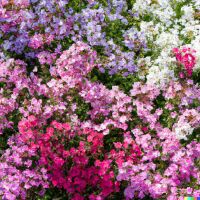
<point x="195" y="44"/>
<point x="188" y="13"/>
<point x="183" y="130"/>
<point x="142" y="6"/>
<point x="160" y="75"/>
<point x="167" y="39"/>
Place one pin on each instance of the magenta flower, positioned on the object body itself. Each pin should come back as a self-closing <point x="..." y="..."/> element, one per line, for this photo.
<point x="186" y="57"/>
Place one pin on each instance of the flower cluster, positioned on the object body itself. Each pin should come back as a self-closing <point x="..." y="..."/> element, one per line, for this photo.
<point x="18" y="174"/>
<point x="74" y="158"/>
<point x="75" y="63"/>
<point x="99" y="99"/>
<point x="162" y="173"/>
<point x="186" y="58"/>
<point x="111" y="105"/>
<point x="166" y="165"/>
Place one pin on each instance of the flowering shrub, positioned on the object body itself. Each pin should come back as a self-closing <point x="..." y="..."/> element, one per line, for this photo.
<point x="75" y="160"/>
<point x="99" y="99"/>
<point x="166" y="164"/>
<point x="18" y="175"/>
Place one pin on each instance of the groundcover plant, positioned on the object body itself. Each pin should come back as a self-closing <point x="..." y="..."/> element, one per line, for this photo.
<point x="99" y="99"/>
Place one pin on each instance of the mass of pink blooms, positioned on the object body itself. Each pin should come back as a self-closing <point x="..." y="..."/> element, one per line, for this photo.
<point x="70" y="128"/>
<point x="73" y="155"/>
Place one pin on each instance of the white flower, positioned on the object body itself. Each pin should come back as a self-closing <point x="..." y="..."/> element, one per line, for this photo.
<point x="162" y="77"/>
<point x="188" y="13"/>
<point x="183" y="130"/>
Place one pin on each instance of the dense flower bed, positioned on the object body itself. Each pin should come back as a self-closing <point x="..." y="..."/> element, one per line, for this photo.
<point x="99" y="99"/>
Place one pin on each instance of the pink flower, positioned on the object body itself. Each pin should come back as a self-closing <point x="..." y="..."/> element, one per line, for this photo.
<point x="181" y="75"/>
<point x="66" y="126"/>
<point x="173" y="115"/>
<point x="77" y="197"/>
<point x="145" y="129"/>
<point x="33" y="120"/>
<point x="118" y="145"/>
<point x="90" y="1"/>
<point x="57" y="125"/>
<point x="169" y="106"/>
<point x="189" y="190"/>
<point x="36" y="41"/>
<point x="186" y="58"/>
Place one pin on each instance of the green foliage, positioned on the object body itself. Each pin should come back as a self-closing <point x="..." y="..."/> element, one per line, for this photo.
<point x="196" y="76"/>
<point x="4" y="138"/>
<point x="82" y="108"/>
<point x="115" y="135"/>
<point x="77" y="5"/>
<point x="195" y="136"/>
<point x="103" y="2"/>
<point x="124" y="83"/>
<point x="2" y="84"/>
<point x="74" y="143"/>
<point x="54" y="193"/>
<point x="15" y="117"/>
<point x="187" y="39"/>
<point x="177" y="5"/>
<point x="66" y="43"/>
<point x="135" y="120"/>
<point x="130" y="4"/>
<point x="114" y="30"/>
<point x="147" y="17"/>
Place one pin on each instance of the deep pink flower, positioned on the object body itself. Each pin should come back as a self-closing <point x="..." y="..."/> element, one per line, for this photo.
<point x="186" y="57"/>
